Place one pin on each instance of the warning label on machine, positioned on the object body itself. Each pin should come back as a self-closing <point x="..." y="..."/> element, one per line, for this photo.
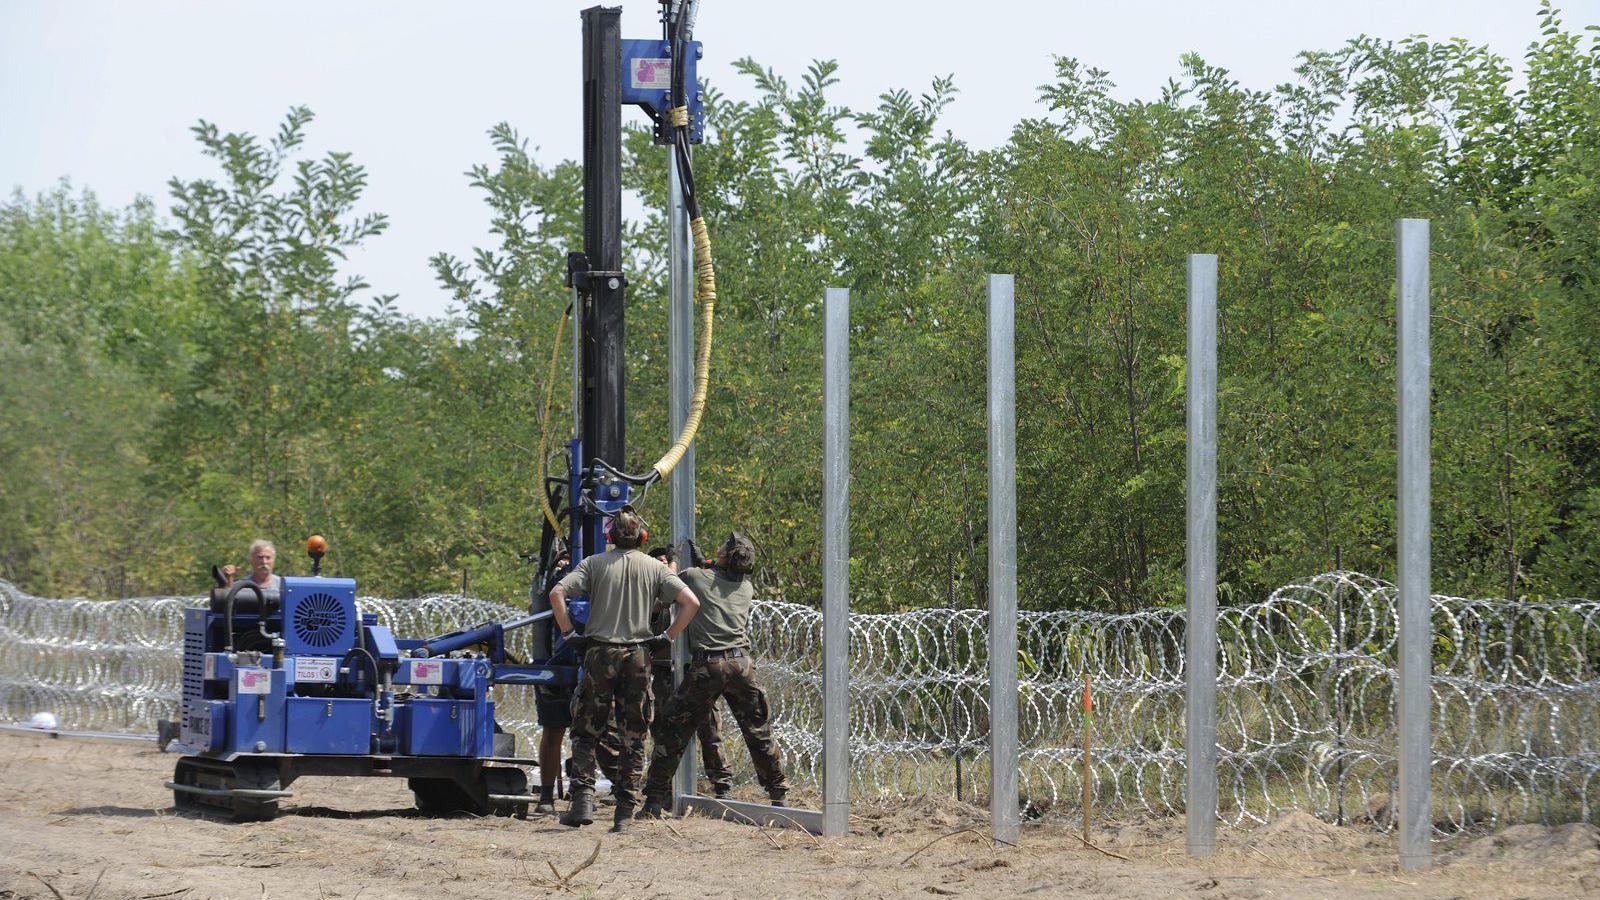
<point x="255" y="681"/>
<point x="315" y="669"/>
<point x="427" y="671"/>
<point x="645" y="73"/>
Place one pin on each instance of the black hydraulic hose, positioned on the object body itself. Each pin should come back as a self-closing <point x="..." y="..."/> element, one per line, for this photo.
<point x="691" y="204"/>
<point x="261" y="603"/>
<point x="677" y="41"/>
<point x="649" y="478"/>
<point x="678" y="37"/>
<point x="680" y="98"/>
<point x="371" y="660"/>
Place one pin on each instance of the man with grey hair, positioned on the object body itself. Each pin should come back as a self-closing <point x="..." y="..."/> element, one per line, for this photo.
<point x="262" y="558"/>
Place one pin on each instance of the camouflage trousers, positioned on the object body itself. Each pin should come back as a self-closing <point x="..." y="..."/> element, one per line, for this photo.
<point x="708" y="729"/>
<point x="607" y="752"/>
<point x="608" y="749"/>
<point x="616" y="681"/>
<point x="731" y="678"/>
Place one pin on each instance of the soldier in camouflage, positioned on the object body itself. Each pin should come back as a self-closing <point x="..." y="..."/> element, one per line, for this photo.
<point x="621" y="584"/>
<point x="721" y="667"/>
<point x="708" y="729"/>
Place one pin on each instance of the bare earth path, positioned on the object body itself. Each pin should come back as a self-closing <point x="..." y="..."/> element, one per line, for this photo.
<point x="80" y="818"/>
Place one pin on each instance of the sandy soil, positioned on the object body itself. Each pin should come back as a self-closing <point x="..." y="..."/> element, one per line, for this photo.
<point x="81" y="819"/>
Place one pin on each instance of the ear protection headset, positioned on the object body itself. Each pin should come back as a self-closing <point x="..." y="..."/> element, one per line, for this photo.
<point x="644" y="531"/>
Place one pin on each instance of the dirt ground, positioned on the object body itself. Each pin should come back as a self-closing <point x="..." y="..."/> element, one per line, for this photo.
<point x="90" y="819"/>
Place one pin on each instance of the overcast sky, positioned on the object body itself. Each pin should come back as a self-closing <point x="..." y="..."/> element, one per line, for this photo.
<point x="104" y="92"/>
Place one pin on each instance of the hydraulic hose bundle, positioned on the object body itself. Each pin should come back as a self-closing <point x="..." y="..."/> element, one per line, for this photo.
<point x="679" y="19"/>
<point x="680" y="28"/>
<point x="706" y="294"/>
<point x="680" y="25"/>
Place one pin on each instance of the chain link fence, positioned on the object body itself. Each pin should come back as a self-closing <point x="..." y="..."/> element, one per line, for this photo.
<point x="1305" y="691"/>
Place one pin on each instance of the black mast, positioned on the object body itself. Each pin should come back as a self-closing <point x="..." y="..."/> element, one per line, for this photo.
<point x="602" y="288"/>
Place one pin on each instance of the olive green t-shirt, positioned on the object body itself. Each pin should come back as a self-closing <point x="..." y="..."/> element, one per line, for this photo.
<point x="724" y="610"/>
<point x="621" y="586"/>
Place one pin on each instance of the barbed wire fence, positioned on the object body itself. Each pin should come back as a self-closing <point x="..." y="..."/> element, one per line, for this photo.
<point x="1306" y="715"/>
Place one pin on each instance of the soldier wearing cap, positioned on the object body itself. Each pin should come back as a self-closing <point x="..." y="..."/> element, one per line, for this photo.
<point x="622" y="584"/>
<point x="720" y="667"/>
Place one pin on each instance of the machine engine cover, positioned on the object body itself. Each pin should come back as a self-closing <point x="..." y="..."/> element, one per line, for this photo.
<point x="319" y="616"/>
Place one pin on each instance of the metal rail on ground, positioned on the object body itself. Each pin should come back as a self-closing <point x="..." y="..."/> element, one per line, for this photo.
<point x="760" y="814"/>
<point x="77" y="735"/>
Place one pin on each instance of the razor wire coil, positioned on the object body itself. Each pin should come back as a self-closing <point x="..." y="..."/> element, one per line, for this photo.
<point x="1306" y="697"/>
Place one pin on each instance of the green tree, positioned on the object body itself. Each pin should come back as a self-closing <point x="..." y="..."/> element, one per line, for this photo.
<point x="273" y="407"/>
<point x="93" y="311"/>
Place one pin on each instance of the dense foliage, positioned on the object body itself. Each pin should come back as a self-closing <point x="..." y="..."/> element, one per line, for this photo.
<point x="176" y="384"/>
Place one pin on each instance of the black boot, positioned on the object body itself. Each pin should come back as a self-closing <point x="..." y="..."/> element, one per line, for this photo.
<point x="619" y="823"/>
<point x="547" y="801"/>
<point x="777" y="797"/>
<point x="581" y="812"/>
<point x="652" y="809"/>
<point x="721" y="791"/>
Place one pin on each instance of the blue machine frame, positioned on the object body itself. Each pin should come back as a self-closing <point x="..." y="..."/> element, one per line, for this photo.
<point x="304" y="684"/>
<point x="647" y="82"/>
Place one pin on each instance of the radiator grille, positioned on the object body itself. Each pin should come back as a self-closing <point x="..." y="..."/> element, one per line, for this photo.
<point x="194" y="656"/>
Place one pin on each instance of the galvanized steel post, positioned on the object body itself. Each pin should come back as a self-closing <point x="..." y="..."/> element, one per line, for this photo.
<point x="1003" y="794"/>
<point x="1200" y="577"/>
<point x="680" y="315"/>
<point x="836" y="562"/>
<point x="1416" y="596"/>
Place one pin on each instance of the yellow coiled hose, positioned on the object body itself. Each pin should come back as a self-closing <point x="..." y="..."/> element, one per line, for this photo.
<point x="706" y="293"/>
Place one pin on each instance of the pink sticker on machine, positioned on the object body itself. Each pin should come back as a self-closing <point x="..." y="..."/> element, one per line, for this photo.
<point x="650" y="74"/>
<point x="255" y="681"/>
<point x="427" y="671"/>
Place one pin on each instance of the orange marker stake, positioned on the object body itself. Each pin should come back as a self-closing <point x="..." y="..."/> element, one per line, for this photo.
<point x="1088" y="728"/>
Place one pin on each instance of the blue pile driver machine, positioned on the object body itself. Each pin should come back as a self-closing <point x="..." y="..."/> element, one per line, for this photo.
<point x="305" y="684"/>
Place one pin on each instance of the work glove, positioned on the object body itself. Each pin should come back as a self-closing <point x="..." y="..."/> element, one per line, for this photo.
<point x="658" y="643"/>
<point x="696" y="557"/>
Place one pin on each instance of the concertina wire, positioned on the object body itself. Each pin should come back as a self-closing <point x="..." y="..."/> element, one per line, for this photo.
<point x="1305" y="694"/>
